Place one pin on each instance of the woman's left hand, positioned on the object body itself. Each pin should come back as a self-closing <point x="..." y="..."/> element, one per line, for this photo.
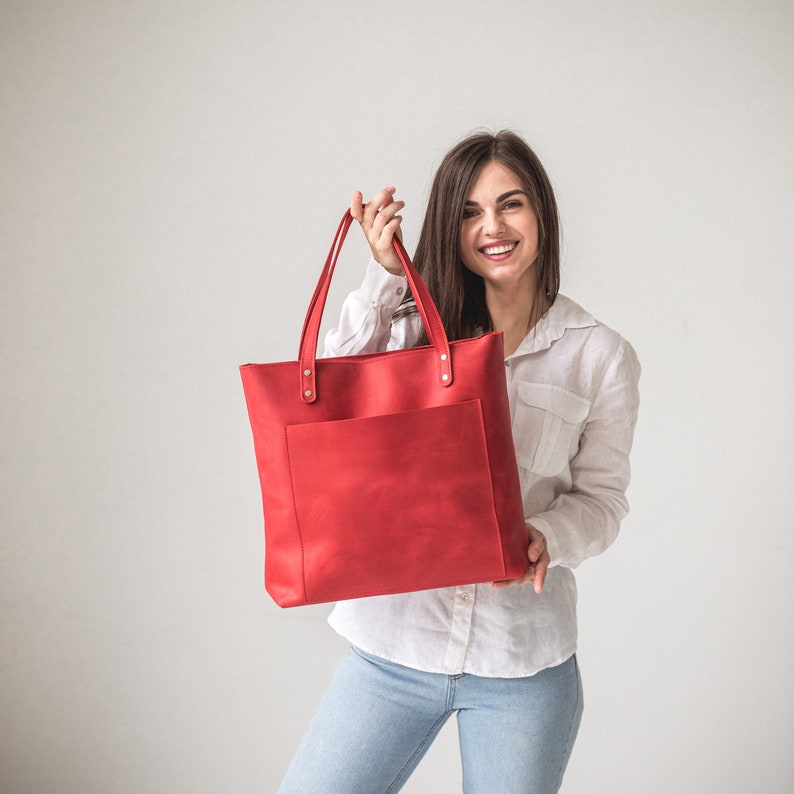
<point x="538" y="562"/>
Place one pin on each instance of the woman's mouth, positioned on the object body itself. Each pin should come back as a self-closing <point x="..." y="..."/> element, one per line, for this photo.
<point x="497" y="250"/>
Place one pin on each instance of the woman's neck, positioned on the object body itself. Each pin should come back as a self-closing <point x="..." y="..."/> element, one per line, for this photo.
<point x="514" y="312"/>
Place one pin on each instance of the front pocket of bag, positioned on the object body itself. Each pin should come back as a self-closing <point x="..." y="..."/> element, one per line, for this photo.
<point x="547" y="426"/>
<point x="387" y="503"/>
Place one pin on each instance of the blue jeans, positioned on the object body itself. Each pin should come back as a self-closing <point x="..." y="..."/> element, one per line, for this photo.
<point x="377" y="720"/>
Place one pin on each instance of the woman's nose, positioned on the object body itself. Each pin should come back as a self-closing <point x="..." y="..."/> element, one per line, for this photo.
<point x="492" y="223"/>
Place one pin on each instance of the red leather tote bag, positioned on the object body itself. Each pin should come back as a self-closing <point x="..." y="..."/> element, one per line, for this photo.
<point x="385" y="472"/>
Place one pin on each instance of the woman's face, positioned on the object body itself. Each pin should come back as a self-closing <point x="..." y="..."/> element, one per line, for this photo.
<point x="499" y="233"/>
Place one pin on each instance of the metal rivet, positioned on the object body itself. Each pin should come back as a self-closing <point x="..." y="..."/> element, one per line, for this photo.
<point x="307" y="372"/>
<point x="308" y="392"/>
<point x="443" y="356"/>
<point x="445" y="377"/>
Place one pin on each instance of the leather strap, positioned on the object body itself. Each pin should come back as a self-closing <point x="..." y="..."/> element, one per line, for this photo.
<point x="311" y="327"/>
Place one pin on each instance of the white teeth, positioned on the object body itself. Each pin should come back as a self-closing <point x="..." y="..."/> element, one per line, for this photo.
<point x="499" y="249"/>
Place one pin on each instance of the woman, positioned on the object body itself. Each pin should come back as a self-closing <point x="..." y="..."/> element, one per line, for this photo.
<point x="501" y="656"/>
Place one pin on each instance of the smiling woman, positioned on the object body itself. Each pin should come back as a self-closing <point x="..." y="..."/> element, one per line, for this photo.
<point x="499" y="243"/>
<point x="501" y="655"/>
<point x="498" y="229"/>
<point x="496" y="180"/>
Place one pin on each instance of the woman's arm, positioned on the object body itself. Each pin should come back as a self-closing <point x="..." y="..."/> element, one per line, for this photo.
<point x="585" y="520"/>
<point x="367" y="323"/>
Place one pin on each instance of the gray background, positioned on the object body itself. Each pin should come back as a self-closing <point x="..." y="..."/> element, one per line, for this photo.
<point x="171" y="176"/>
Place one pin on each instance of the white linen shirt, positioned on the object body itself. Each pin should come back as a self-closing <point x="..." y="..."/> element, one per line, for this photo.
<point x="572" y="386"/>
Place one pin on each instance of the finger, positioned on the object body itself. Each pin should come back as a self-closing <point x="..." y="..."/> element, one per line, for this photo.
<point x="537" y="543"/>
<point x="381" y="199"/>
<point x="356" y="206"/>
<point x="391" y="230"/>
<point x="536" y="573"/>
<point x="387" y="221"/>
<point x="540" y="574"/>
<point x="534" y="550"/>
<point x="541" y="569"/>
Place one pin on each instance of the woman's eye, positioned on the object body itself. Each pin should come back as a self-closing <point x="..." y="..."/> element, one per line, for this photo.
<point x="511" y="205"/>
<point x="469" y="213"/>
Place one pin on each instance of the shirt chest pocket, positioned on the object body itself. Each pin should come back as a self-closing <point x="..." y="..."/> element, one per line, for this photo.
<point x="547" y="425"/>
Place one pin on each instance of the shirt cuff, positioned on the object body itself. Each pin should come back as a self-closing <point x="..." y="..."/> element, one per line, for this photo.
<point x="383" y="288"/>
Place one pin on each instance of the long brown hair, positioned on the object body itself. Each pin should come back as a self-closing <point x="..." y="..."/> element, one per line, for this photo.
<point x="459" y="293"/>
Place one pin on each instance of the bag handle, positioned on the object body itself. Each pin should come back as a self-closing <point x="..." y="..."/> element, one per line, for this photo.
<point x="311" y="326"/>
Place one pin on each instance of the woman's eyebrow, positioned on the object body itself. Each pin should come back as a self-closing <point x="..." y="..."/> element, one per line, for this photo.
<point x="509" y="193"/>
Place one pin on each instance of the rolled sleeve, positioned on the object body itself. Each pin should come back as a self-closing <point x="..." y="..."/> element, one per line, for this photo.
<point x="365" y="324"/>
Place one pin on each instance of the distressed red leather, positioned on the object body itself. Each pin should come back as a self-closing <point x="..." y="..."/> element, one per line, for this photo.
<point x="386" y="472"/>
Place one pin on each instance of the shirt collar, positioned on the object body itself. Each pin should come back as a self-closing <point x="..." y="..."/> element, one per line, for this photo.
<point x="563" y="314"/>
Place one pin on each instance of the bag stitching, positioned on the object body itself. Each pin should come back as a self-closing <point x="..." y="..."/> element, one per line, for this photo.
<point x="295" y="513"/>
<point x="369" y="358"/>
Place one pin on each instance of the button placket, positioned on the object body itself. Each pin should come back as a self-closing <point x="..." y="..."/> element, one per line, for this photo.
<point x="460" y="626"/>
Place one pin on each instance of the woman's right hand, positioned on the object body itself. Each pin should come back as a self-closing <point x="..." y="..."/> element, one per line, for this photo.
<point x="380" y="222"/>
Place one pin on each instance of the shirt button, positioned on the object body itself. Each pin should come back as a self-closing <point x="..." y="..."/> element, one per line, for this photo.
<point x="507" y="363"/>
<point x="465" y="596"/>
<point x="400" y="290"/>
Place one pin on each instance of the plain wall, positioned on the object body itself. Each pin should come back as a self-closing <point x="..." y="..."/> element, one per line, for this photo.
<point x="171" y="174"/>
